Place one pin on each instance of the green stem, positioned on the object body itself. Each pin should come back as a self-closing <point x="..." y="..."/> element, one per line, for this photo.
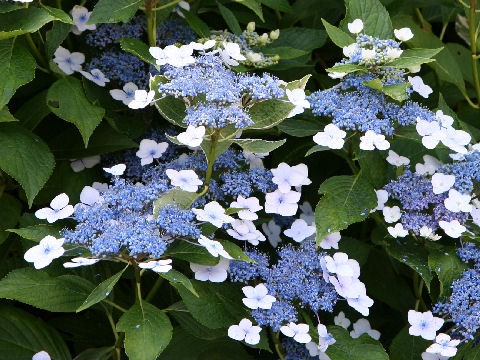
<point x="59" y="4"/>
<point x="211" y="158"/>
<point x="118" y="353"/>
<point x="442" y="33"/>
<point x="138" y="285"/>
<point x="154" y="289"/>
<point x="276" y="342"/>
<point x="171" y="3"/>
<point x="151" y="24"/>
<point x="116" y="306"/>
<point x="422" y="20"/>
<point x="36" y="53"/>
<point x="470" y="102"/>
<point x="417" y="289"/>
<point x="473" y="47"/>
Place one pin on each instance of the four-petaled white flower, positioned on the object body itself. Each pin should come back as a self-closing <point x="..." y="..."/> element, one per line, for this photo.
<point x="419" y="86"/>
<point x="299" y="332"/>
<point x="331" y="241"/>
<point x="452" y="228"/>
<point x="391" y="214"/>
<point x="231" y="53"/>
<point x="300" y="230"/>
<point x="325" y="339"/>
<point x="457" y="201"/>
<point x="213" y="213"/>
<point x="285" y="204"/>
<point x="213" y="247"/>
<point x="297" y="98"/>
<point x="347" y="286"/>
<point x="116" y="170"/>
<point x="424" y="324"/>
<point x="173" y="55"/>
<point x="342" y="320"/>
<point x="331" y="137"/>
<point x="429" y="356"/>
<point x="286" y="176"/>
<point x="428" y="233"/>
<point x="396" y="160"/>
<point x="361" y="302"/>
<point x="59" y="209"/>
<point x="250" y="205"/>
<point x="41" y="355"/>
<point x="403" y="34"/>
<point x="356" y="26"/>
<point x="362" y="326"/>
<point x="141" y="99"/>
<point x="80" y="16"/>
<point x="202" y="47"/>
<point x="42" y="255"/>
<point x="80" y="261"/>
<point x="372" y="140"/>
<point x="429" y="167"/>
<point x="444" y="346"/>
<point x="126" y="95"/>
<point x="96" y="76"/>
<point x="149" y="150"/>
<point x="217" y="273"/>
<point x="159" y="266"/>
<point x="442" y="182"/>
<point x="272" y="230"/>
<point x="245" y="230"/>
<point x="257" y="297"/>
<point x="382" y="198"/>
<point x="397" y="230"/>
<point x="245" y="331"/>
<point x="341" y="265"/>
<point x="78" y="165"/>
<point x="68" y="62"/>
<point x="192" y="136"/>
<point x="186" y="180"/>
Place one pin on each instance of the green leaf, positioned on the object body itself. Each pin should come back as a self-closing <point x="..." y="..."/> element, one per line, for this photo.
<point x="300" y="127"/>
<point x="230" y="19"/>
<point x="281" y="5"/>
<point x="448" y="267"/>
<point x="407" y="347"/>
<point x="30" y="119"/>
<point x="338" y="36"/>
<point x="197" y="24"/>
<point x="22" y="335"/>
<point x="67" y="100"/>
<point x="346" y="200"/>
<point x="375" y="17"/>
<point x="177" y="278"/>
<point x="137" y="48"/>
<point x="10" y="212"/>
<point x="413" y="57"/>
<point x="35" y="287"/>
<point x="253" y="5"/>
<point x="299" y="38"/>
<point x="22" y="21"/>
<point x="259" y="146"/>
<point x="285" y="52"/>
<point x="397" y="92"/>
<point x="7" y="7"/>
<point x="25" y="157"/>
<point x="170" y="108"/>
<point x="194" y="328"/>
<point x="102" y="353"/>
<point x="101" y="291"/>
<point x="17" y="67"/>
<point x="55" y="37"/>
<point x="269" y="113"/>
<point x="111" y="11"/>
<point x="37" y="232"/>
<point x="192" y="253"/>
<point x="147" y="331"/>
<point x="316" y="148"/>
<point x="346" y="68"/>
<point x="58" y="14"/>
<point x="235" y="251"/>
<point x="181" y="198"/>
<point x="5" y="116"/>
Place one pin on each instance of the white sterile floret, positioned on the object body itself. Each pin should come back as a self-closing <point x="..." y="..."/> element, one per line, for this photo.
<point x="254" y="160"/>
<point x="331" y="241"/>
<point x="149" y="150"/>
<point x="397" y="231"/>
<point x="272" y="230"/>
<point x="41" y="355"/>
<point x="89" y="196"/>
<point x="424" y="324"/>
<point x="59" y="209"/>
<point x="68" y="62"/>
<point x="250" y="205"/>
<point x="324" y="341"/>
<point x="442" y="182"/>
<point x="192" y="137"/>
<point x="297" y="97"/>
<point x="456" y="140"/>
<point x="382" y="198"/>
<point x="286" y="176"/>
<point x="372" y="140"/>
<point x="217" y="273"/>
<point x="78" y="165"/>
<point x="362" y="326"/>
<point x="160" y="56"/>
<point x="126" y="95"/>
<point x="257" y="297"/>
<point x="391" y="214"/>
<point x="331" y="137"/>
<point x="419" y="86"/>
<point x="159" y="266"/>
<point x="245" y="331"/>
<point x="213" y="247"/>
<point x="213" y="213"/>
<point x="350" y="50"/>
<point x="202" y="47"/>
<point x="178" y="56"/>
<point x="80" y="16"/>
<point x="300" y="230"/>
<point x="356" y="26"/>
<point x="336" y="75"/>
<point x="361" y="302"/>
<point x="428" y="233"/>
<point x="368" y="54"/>
<point x="396" y="160"/>
<point x="231" y="53"/>
<point x="42" y="255"/>
<point x="299" y="332"/>
<point x="141" y="99"/>
<point x="393" y="53"/>
<point x="457" y="201"/>
<point x="340" y="264"/>
<point x="445" y="120"/>
<point x="285" y="204"/>
<point x="431" y="164"/>
<point x="444" y="346"/>
<point x="430" y="356"/>
<point x="186" y="180"/>
<point x="95" y="76"/>
<point x="452" y="228"/>
<point x="80" y="261"/>
<point x="116" y="170"/>
<point x="342" y="320"/>
<point x="431" y="132"/>
<point x="347" y="286"/>
<point x="403" y="34"/>
<point x="245" y="230"/>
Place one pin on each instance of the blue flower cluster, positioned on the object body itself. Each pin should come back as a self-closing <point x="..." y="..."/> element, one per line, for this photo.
<point x="371" y="50"/>
<point x="225" y="94"/>
<point x="173" y="31"/>
<point x="108" y="34"/>
<point x="466" y="171"/>
<point x="297" y="277"/>
<point x="296" y="351"/>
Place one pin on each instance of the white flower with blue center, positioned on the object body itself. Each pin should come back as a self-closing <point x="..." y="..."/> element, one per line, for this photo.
<point x="257" y="297"/>
<point x="424" y="324"/>
<point x="48" y="249"/>
<point x="59" y="209"/>
<point x="126" y="95"/>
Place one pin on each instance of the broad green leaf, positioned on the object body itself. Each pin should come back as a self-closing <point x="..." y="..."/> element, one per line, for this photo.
<point x="300" y="127"/>
<point x="17" y="67"/>
<point x="7" y="7"/>
<point x="147" y="331"/>
<point x="35" y="287"/>
<point x="101" y="291"/>
<point x="55" y="37"/>
<point x="346" y="68"/>
<point x="10" y="212"/>
<point x="230" y="19"/>
<point x="269" y="113"/>
<point x="197" y="24"/>
<point x="253" y="5"/>
<point x="30" y="119"/>
<point x="346" y="200"/>
<point x="413" y="57"/>
<point x="299" y="38"/>
<point x="111" y="11"/>
<point x="67" y="100"/>
<point x="22" y="335"/>
<point x="235" y="251"/>
<point x="25" y="157"/>
<point x="338" y="36"/>
<point x="170" y="108"/>
<point x="23" y="21"/>
<point x="191" y="253"/>
<point x="397" y="92"/>
<point x="5" y="116"/>
<point x="407" y="347"/>
<point x="281" y="5"/>
<point x="316" y="148"/>
<point x="285" y="52"/>
<point x="177" y="278"/>
<point x="194" y="328"/>
<point x="376" y="20"/>
<point x="448" y="267"/>
<point x="37" y="232"/>
<point x="137" y="48"/>
<point x="58" y="14"/>
<point x="176" y="196"/>
<point x="472" y="354"/>
<point x="259" y="146"/>
<point x="102" y="353"/>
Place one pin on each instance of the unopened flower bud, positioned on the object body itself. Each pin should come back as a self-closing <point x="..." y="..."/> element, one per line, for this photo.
<point x="251" y="26"/>
<point x="254" y="57"/>
<point x="263" y="39"/>
<point x="275" y="34"/>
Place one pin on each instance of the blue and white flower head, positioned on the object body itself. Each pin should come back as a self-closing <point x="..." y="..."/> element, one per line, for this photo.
<point x="80" y="16"/>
